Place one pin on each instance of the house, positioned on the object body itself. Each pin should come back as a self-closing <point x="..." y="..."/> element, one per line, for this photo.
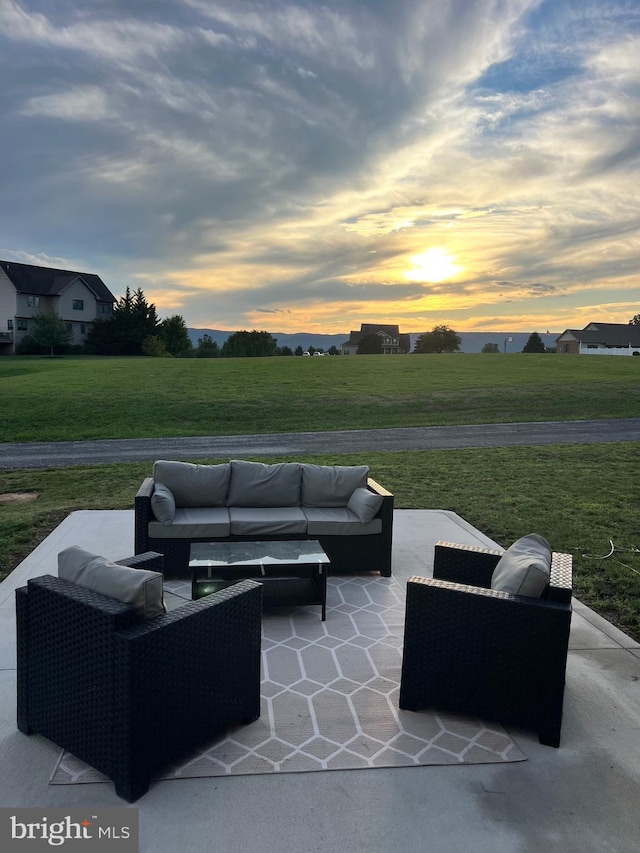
<point x="393" y="343"/>
<point x="600" y="339"/>
<point x="78" y="298"/>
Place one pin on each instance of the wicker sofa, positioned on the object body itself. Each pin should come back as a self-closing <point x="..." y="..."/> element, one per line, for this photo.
<point x="341" y="506"/>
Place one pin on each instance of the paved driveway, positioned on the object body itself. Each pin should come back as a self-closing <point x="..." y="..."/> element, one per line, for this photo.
<point x="64" y="453"/>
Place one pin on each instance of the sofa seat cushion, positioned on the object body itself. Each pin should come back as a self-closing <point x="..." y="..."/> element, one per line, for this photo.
<point x="524" y="568"/>
<point x="140" y="587"/>
<point x="196" y="522"/>
<point x="254" y="484"/>
<point x="267" y="521"/>
<point x="194" y="485"/>
<point x="331" y="485"/>
<point x="338" y="521"/>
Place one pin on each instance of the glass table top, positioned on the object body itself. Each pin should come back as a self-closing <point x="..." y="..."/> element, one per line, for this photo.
<point x="256" y="553"/>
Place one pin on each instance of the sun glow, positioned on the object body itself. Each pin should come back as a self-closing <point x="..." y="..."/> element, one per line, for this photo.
<point x="434" y="265"/>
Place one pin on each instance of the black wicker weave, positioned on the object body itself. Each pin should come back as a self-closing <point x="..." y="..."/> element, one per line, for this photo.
<point x="474" y="651"/>
<point x="370" y="553"/>
<point x="130" y="696"/>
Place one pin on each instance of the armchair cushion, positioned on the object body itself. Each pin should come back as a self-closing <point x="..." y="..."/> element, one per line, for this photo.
<point x="365" y="504"/>
<point x="163" y="503"/>
<point x="139" y="587"/>
<point x="524" y="568"/>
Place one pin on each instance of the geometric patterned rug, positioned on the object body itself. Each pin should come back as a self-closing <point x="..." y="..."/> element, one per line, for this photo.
<point x="330" y="699"/>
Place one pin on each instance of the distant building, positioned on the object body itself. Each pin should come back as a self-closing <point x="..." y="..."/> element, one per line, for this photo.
<point x="600" y="339"/>
<point x="393" y="342"/>
<point x="79" y="298"/>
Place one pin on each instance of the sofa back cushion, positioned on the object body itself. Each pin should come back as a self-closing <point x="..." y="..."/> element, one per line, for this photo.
<point x="331" y="485"/>
<point x="139" y="587"/>
<point x="194" y="485"/>
<point x="524" y="568"/>
<point x="255" y="484"/>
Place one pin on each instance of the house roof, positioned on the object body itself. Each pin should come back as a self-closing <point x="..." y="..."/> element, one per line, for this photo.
<point x="46" y="281"/>
<point x="605" y="334"/>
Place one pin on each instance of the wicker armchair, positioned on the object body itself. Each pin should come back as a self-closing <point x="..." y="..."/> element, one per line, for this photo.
<point x="494" y="655"/>
<point x="129" y="696"/>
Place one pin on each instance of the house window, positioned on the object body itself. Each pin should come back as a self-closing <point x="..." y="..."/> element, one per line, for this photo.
<point x="103" y="308"/>
<point x="78" y="304"/>
<point x="22" y="325"/>
<point x="70" y="327"/>
<point x="33" y="301"/>
<point x="82" y="329"/>
<point x="10" y="325"/>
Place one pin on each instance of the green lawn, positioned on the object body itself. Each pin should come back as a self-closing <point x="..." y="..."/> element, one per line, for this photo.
<point x="80" y="398"/>
<point x="581" y="497"/>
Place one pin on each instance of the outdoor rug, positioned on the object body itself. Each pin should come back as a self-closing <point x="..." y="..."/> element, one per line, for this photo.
<point x="330" y="699"/>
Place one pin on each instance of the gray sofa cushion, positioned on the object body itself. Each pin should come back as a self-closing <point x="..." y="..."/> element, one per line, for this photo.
<point x="331" y="485"/>
<point x="267" y="521"/>
<point x="254" y="484"/>
<point x="194" y="485"/>
<point x="338" y="521"/>
<point x="139" y="587"/>
<point x="198" y="522"/>
<point x="365" y="504"/>
<point x="524" y="568"/>
<point x="163" y="503"/>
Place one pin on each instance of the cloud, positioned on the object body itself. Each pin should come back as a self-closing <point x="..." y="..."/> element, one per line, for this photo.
<point x="241" y="159"/>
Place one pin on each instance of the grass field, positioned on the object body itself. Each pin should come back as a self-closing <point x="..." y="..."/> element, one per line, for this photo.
<point x="81" y="398"/>
<point x="582" y="497"/>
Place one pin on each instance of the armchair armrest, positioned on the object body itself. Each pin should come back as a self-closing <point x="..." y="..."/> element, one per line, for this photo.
<point x="466" y="564"/>
<point x="151" y="560"/>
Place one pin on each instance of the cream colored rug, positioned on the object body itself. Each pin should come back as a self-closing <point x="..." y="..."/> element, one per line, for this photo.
<point x="330" y="699"/>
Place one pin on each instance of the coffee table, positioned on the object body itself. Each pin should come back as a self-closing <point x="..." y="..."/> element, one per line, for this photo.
<point x="293" y="572"/>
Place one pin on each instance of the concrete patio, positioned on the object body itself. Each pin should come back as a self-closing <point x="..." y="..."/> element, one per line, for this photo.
<point x="581" y="797"/>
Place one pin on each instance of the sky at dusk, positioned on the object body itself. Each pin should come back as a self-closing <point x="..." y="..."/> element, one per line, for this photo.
<point x="312" y="165"/>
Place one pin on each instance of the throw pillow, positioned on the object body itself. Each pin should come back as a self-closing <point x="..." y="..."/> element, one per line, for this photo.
<point x="524" y="568"/>
<point x="163" y="503"/>
<point x="365" y="504"/>
<point x="139" y="587"/>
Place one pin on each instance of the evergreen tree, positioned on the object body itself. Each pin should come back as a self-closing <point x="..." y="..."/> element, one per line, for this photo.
<point x="133" y="320"/>
<point x="175" y="335"/>
<point x="207" y="347"/>
<point x="534" y="344"/>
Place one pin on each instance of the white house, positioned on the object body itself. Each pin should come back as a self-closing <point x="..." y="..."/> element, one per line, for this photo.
<point x="78" y="298"/>
<point x="600" y="339"/>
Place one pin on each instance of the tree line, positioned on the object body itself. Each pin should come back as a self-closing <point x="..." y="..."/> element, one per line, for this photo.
<point x="134" y="329"/>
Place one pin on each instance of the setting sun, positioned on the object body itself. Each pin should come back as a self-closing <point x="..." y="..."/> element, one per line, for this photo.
<point x="433" y="265"/>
